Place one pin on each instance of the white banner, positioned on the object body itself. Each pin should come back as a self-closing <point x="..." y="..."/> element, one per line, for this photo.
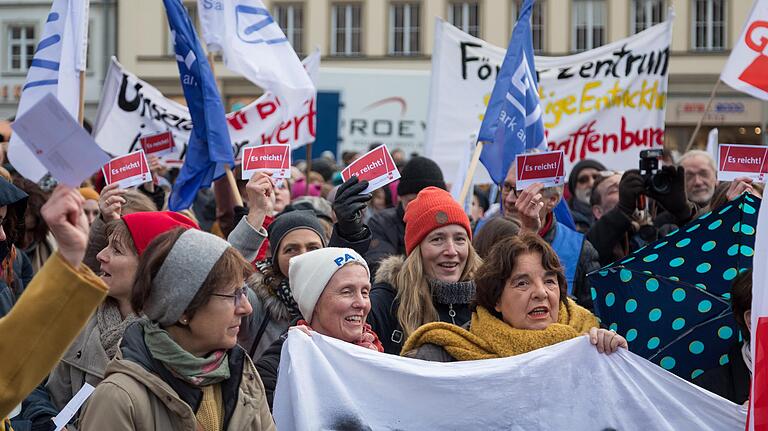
<point x="607" y="103"/>
<point x="325" y="383"/>
<point x="747" y="66"/>
<point x="131" y="108"/>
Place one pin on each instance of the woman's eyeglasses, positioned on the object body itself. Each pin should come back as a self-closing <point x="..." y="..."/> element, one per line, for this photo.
<point x="237" y="297"/>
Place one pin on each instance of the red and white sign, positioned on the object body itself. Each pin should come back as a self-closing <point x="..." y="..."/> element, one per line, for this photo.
<point x="158" y="144"/>
<point x="128" y="170"/>
<point x="546" y="168"/>
<point x="747" y="66"/>
<point x="272" y="159"/>
<point x="376" y="166"/>
<point x="736" y="161"/>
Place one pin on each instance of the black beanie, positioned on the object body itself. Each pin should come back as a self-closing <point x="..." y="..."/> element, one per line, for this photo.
<point x="420" y="173"/>
<point x="578" y="167"/>
<point x="288" y="221"/>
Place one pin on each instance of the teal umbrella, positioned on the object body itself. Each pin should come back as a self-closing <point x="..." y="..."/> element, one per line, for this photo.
<point x="671" y="298"/>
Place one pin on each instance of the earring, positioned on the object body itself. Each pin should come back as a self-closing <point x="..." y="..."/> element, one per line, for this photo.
<point x="183" y="321"/>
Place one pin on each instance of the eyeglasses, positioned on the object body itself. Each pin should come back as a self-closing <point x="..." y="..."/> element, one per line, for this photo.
<point x="237" y="297"/>
<point x="509" y="188"/>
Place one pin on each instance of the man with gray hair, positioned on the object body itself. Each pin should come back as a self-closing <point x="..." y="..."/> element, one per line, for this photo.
<point x="534" y="207"/>
<point x="700" y="176"/>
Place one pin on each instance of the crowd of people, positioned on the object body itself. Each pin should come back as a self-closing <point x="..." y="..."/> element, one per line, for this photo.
<point x="178" y="318"/>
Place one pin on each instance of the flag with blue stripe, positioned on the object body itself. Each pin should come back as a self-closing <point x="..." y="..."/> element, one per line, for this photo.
<point x="209" y="149"/>
<point x="512" y="123"/>
<point x="55" y="69"/>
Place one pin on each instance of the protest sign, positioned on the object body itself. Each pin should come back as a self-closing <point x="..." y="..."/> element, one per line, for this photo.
<point x="736" y="161"/>
<point x="131" y="108"/>
<point x="375" y="166"/>
<point x="272" y="159"/>
<point x="545" y="168"/>
<point x="621" y="391"/>
<point x="606" y="103"/>
<point x="128" y="170"/>
<point x="62" y="146"/>
<point x="158" y="144"/>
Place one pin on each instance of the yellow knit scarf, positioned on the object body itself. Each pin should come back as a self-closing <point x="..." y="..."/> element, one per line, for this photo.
<point x="210" y="415"/>
<point x="489" y="337"/>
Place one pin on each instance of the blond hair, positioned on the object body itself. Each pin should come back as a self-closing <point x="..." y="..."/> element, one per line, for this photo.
<point x="414" y="295"/>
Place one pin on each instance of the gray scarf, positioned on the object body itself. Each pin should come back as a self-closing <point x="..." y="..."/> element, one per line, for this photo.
<point x="460" y="292"/>
<point x="111" y="325"/>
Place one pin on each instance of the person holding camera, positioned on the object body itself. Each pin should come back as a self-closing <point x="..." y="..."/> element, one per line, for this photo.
<point x="624" y="225"/>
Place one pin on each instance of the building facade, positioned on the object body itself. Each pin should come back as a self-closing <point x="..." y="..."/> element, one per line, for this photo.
<point x="21" y="25"/>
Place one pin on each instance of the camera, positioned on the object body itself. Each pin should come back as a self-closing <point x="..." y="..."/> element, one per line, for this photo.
<point x="655" y="179"/>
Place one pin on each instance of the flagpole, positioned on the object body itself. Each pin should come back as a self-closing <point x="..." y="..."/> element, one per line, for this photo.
<point x="704" y="114"/>
<point x="471" y="172"/>
<point x="309" y="165"/>
<point x="227" y="169"/>
<point x="81" y="107"/>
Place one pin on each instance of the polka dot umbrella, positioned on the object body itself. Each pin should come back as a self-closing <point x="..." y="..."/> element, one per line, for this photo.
<point x="670" y="299"/>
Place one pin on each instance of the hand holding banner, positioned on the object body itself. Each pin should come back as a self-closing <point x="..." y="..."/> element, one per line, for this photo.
<point x="735" y="161"/>
<point x="272" y="159"/>
<point x="375" y="166"/>
<point x="128" y="170"/>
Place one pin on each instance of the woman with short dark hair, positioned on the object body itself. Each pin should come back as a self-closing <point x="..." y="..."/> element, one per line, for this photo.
<point x="521" y="305"/>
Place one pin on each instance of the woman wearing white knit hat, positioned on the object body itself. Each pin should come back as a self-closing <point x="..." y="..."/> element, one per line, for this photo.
<point x="331" y="287"/>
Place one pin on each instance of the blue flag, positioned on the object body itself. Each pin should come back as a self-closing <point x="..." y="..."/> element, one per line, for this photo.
<point x="209" y="148"/>
<point x="512" y="123"/>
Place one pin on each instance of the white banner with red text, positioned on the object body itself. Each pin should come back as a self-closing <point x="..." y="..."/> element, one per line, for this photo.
<point x="607" y="103"/>
<point x="131" y="108"/>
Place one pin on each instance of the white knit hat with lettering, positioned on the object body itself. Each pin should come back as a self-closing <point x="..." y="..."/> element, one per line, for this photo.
<point x="309" y="273"/>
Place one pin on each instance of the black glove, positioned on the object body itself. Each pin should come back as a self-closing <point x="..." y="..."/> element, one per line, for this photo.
<point x="348" y="207"/>
<point x="675" y="201"/>
<point x="631" y="187"/>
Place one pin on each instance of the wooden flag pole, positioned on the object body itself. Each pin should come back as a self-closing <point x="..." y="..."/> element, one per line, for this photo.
<point x="309" y="166"/>
<point x="81" y="107"/>
<point x="704" y="114"/>
<point x="471" y="172"/>
<point x="228" y="169"/>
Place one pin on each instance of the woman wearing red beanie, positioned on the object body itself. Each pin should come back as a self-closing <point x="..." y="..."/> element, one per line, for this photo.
<point x="434" y="282"/>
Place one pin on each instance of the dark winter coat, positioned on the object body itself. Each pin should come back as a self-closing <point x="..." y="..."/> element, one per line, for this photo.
<point x="731" y="381"/>
<point x="387" y="236"/>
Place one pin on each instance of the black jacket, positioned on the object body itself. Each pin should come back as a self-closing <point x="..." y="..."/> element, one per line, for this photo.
<point x="387" y="236"/>
<point x="268" y="365"/>
<point x="383" y="315"/>
<point x="731" y="381"/>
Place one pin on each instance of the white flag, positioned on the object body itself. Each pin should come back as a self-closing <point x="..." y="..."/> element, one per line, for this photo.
<point x="59" y="58"/>
<point x="325" y="383"/>
<point x="254" y="46"/>
<point x="747" y="67"/>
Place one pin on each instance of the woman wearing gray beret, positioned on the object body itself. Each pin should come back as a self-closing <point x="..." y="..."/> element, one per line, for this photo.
<point x="180" y="367"/>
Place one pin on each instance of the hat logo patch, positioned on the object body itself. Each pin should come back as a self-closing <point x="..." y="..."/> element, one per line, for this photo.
<point x="441" y="217"/>
<point x="341" y="260"/>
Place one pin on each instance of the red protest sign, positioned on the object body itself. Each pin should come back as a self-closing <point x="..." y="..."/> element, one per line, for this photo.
<point x="273" y="159"/>
<point x="128" y="170"/>
<point x="376" y="166"/>
<point x="158" y="144"/>
<point x="546" y="168"/>
<point x="736" y="161"/>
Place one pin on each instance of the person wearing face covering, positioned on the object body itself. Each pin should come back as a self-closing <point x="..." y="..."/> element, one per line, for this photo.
<point x="580" y="181"/>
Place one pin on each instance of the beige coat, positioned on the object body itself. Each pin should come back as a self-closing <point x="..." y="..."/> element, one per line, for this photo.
<point x="132" y="398"/>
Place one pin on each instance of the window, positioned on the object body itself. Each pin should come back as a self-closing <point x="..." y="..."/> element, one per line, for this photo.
<point x="708" y="25"/>
<point x="346" y="31"/>
<point x="466" y="16"/>
<point x="647" y="13"/>
<point x="537" y="23"/>
<point x="290" y="18"/>
<point x="404" y="29"/>
<point x="21" y="47"/>
<point x="588" y="24"/>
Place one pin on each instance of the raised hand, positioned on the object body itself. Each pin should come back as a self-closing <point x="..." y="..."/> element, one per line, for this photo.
<point x="65" y="217"/>
<point x="528" y="204"/>
<point x="111" y="202"/>
<point x="260" y="191"/>
<point x="348" y="207"/>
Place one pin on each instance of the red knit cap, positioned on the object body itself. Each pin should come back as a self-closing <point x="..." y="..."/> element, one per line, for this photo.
<point x="146" y="226"/>
<point x="432" y="208"/>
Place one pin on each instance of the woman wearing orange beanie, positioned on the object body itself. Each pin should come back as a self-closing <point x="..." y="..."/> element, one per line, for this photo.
<point x="434" y="282"/>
